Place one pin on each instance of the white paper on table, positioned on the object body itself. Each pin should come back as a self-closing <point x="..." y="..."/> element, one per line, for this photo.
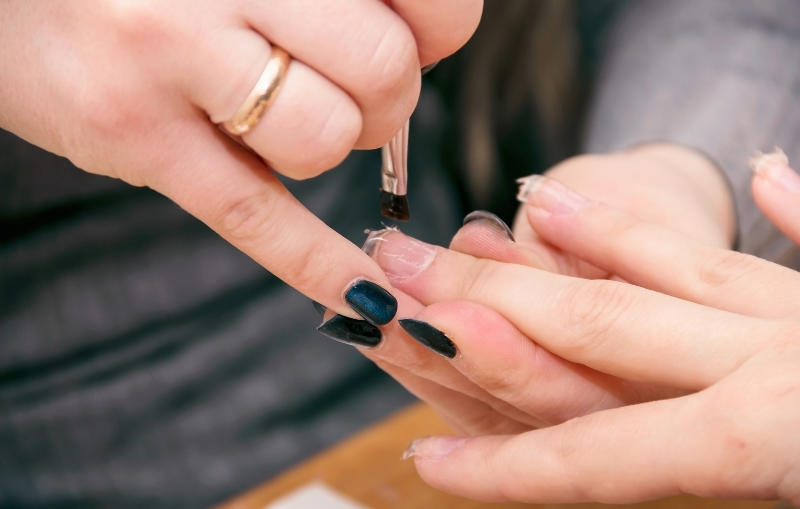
<point x="314" y="496"/>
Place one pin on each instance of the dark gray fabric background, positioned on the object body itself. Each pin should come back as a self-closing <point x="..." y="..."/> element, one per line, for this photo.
<point x="720" y="75"/>
<point x="146" y="363"/>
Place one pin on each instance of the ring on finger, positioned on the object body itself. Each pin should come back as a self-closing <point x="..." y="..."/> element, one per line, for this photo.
<point x="262" y="95"/>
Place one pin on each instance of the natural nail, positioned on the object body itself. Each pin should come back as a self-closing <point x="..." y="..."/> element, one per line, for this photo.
<point x="350" y="331"/>
<point x="433" y="448"/>
<point x="411" y="450"/>
<point x="372" y="302"/>
<point x="401" y="257"/>
<point x="549" y="195"/>
<point x="491" y="220"/>
<point x="429" y="336"/>
<point x="774" y="166"/>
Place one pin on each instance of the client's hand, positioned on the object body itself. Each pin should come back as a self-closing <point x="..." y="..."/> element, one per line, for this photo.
<point x="477" y="392"/>
<point x="726" y="329"/>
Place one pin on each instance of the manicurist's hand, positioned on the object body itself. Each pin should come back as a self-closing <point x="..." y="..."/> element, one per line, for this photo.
<point x="722" y="326"/>
<point x="136" y="90"/>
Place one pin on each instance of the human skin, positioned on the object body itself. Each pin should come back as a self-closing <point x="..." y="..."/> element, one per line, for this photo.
<point x="133" y="89"/>
<point x="477" y="394"/>
<point x="720" y="326"/>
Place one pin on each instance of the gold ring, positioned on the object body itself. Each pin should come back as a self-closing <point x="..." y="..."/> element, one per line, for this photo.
<point x="262" y="96"/>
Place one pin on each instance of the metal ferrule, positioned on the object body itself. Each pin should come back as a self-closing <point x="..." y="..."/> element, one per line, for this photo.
<point x="394" y="168"/>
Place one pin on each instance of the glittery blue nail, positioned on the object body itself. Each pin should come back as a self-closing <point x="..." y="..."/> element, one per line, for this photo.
<point x="372" y="302"/>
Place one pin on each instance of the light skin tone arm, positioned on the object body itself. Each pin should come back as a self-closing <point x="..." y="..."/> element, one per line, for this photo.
<point x="133" y="90"/>
<point x="721" y="326"/>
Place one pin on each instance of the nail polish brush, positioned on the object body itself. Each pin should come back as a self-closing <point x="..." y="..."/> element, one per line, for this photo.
<point x="394" y="172"/>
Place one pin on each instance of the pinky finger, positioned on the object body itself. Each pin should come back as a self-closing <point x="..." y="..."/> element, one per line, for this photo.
<point x="776" y="189"/>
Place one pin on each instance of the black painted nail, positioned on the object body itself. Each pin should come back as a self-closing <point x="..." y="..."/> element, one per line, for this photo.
<point x="319" y="307"/>
<point x="492" y="220"/>
<point x="372" y="302"/>
<point x="429" y="336"/>
<point x="350" y="331"/>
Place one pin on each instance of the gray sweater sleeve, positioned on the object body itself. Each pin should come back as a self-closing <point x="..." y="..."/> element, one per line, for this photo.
<point x="722" y="76"/>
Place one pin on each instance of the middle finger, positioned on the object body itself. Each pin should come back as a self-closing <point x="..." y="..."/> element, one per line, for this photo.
<point x="614" y="327"/>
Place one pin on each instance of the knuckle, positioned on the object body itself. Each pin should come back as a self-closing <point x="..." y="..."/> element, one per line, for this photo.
<point x="479" y="278"/>
<point x="138" y="21"/>
<point x="109" y="109"/>
<point x="326" y="141"/>
<point x="309" y="266"/>
<point x="724" y="269"/>
<point x="591" y="310"/>
<point x="393" y="61"/>
<point x="622" y="227"/>
<point x="246" y="218"/>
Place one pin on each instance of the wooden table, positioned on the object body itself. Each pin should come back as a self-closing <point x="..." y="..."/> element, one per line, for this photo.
<point x="367" y="468"/>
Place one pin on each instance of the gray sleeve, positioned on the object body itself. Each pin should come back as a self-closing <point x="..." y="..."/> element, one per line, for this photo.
<point x="722" y="76"/>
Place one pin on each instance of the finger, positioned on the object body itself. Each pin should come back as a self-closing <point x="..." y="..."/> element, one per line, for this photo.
<point x="776" y="189"/>
<point x="399" y="349"/>
<point x="648" y="255"/>
<point x="362" y="46"/>
<point x="494" y="355"/>
<point x="310" y="127"/>
<point x="623" y="455"/>
<point x="485" y="235"/>
<point x="463" y="413"/>
<point x="613" y="327"/>
<point x="440" y="27"/>
<point x="234" y="194"/>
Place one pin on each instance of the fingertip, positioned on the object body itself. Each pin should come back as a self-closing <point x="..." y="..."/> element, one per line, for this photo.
<point x="440" y="27"/>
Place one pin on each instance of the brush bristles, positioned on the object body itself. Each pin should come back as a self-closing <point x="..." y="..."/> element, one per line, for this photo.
<point x="394" y="206"/>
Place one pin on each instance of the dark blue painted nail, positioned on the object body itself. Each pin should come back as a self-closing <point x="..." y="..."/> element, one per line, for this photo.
<point x="491" y="220"/>
<point x="319" y="307"/>
<point x="350" y="331"/>
<point x="369" y="300"/>
<point x="429" y="336"/>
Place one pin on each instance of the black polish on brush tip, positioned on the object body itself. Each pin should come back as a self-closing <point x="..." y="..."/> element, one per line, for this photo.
<point x="372" y="302"/>
<point x="492" y="220"/>
<point x="429" y="336"/>
<point x="395" y="206"/>
<point x="350" y="331"/>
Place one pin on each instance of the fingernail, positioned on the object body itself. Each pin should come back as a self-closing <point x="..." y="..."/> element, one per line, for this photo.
<point x="411" y="450"/>
<point x="774" y="167"/>
<point x="399" y="256"/>
<point x="433" y="447"/>
<point x="429" y="336"/>
<point x="373" y="303"/>
<point x="550" y="195"/>
<point x="319" y="307"/>
<point x="350" y="331"/>
<point x="374" y="239"/>
<point x="491" y="220"/>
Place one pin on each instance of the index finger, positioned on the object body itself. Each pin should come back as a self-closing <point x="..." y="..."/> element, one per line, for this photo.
<point x="238" y="197"/>
<point x="610" y="326"/>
